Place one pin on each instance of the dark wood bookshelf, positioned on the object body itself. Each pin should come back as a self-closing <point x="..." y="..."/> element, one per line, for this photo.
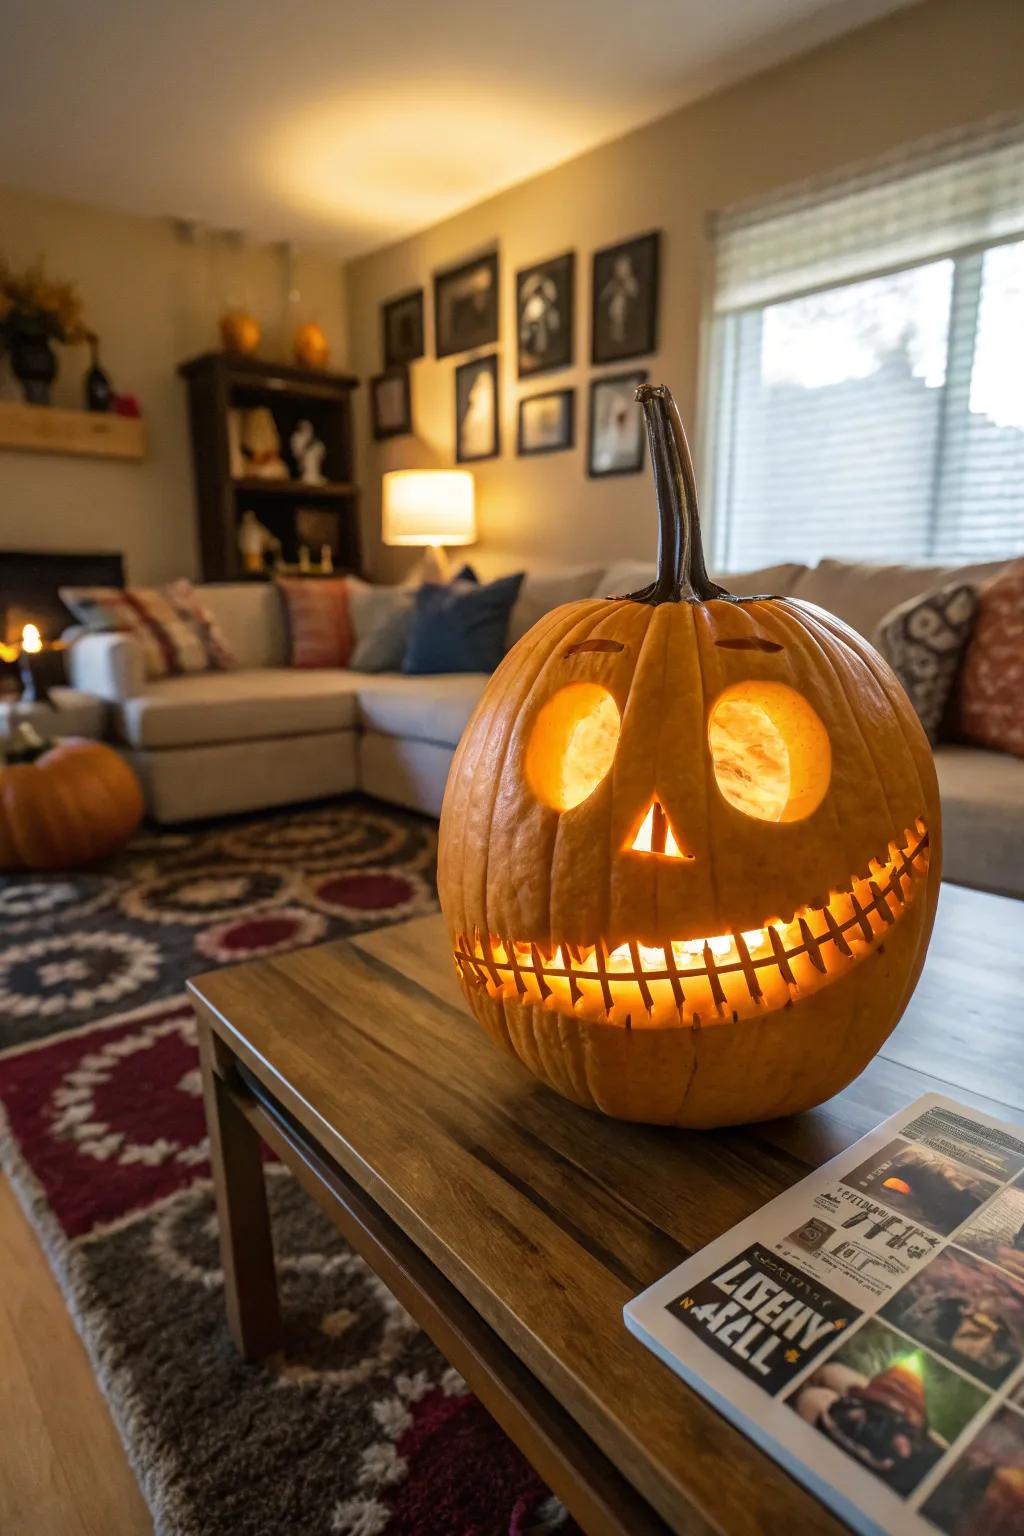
<point x="330" y="490"/>
<point x="219" y="382"/>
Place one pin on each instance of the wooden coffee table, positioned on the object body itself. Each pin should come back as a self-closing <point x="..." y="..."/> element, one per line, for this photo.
<point x="514" y="1226"/>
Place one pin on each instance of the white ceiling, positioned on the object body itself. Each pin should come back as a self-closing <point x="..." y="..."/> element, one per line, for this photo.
<point x="353" y="122"/>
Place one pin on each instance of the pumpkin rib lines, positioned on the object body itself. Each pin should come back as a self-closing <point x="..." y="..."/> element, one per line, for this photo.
<point x="779" y="617"/>
<point x="881" y="673"/>
<point x="702" y="713"/>
<point x="814" y="630"/>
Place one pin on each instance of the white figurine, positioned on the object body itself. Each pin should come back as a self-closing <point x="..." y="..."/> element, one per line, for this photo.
<point x="255" y="542"/>
<point x="309" y="454"/>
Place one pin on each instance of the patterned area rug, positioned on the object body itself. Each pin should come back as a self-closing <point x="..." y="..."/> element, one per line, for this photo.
<point x="359" y="1428"/>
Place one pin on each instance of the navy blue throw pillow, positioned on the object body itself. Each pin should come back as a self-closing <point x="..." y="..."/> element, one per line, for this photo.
<point x="460" y="627"/>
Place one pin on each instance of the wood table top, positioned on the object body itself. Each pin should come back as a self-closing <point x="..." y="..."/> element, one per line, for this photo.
<point x="548" y="1218"/>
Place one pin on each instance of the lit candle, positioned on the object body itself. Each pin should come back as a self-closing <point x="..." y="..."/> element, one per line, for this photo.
<point x="41" y="667"/>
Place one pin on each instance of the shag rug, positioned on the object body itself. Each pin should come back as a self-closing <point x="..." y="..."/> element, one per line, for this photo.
<point x="360" y="1428"/>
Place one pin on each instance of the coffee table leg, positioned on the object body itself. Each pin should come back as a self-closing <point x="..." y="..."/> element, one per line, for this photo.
<point x="246" y="1248"/>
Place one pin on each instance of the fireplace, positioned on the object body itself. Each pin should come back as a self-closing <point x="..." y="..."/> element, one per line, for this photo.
<point x="29" y="585"/>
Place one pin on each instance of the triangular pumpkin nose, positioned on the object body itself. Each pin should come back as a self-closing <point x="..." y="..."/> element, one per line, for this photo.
<point x="656" y="835"/>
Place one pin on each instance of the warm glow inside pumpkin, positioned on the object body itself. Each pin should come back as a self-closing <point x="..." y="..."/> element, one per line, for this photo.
<point x="688" y="854"/>
<point x="573" y="745"/>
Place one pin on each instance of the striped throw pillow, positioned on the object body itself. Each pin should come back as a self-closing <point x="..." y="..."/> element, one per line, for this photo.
<point x="319" y="623"/>
<point x="175" y="632"/>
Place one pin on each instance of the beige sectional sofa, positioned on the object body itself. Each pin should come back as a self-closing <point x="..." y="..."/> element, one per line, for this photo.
<point x="266" y="734"/>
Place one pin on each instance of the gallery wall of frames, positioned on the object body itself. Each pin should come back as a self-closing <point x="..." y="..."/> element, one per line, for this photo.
<point x="465" y="305"/>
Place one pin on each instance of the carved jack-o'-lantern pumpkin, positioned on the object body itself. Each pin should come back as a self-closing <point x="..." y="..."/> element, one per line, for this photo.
<point x="689" y="846"/>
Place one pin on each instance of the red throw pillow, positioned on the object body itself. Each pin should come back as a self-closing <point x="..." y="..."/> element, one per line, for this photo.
<point x="319" y="626"/>
<point x="992" y="682"/>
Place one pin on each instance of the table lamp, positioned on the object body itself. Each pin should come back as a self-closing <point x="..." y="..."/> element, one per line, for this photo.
<point x="429" y="508"/>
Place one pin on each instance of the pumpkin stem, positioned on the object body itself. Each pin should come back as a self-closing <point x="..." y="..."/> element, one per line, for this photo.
<point x="682" y="575"/>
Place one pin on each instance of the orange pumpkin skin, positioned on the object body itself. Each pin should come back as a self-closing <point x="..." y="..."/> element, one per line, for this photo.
<point x="530" y="891"/>
<point x="76" y="803"/>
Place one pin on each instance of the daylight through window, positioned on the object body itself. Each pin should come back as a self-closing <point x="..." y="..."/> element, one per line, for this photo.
<point x="868" y="367"/>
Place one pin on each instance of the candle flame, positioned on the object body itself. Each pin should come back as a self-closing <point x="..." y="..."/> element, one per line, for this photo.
<point x="31" y="640"/>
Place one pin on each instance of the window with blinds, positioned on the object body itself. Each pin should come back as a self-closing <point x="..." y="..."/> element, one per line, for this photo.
<point x="867" y="365"/>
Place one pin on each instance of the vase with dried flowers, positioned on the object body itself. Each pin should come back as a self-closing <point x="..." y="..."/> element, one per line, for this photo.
<point x="34" y="313"/>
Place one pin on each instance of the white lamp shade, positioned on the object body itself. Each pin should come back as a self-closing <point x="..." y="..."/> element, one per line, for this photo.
<point x="428" y="506"/>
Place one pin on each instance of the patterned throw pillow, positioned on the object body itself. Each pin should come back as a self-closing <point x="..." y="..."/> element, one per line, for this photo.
<point x="924" y="640"/>
<point x="319" y="625"/>
<point x="992" y="686"/>
<point x="174" y="630"/>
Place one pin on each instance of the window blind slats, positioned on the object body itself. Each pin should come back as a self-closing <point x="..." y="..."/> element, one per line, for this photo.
<point x="904" y="214"/>
<point x="882" y="418"/>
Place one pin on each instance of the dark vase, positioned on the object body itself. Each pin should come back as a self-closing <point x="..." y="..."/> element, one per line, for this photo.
<point x="34" y="365"/>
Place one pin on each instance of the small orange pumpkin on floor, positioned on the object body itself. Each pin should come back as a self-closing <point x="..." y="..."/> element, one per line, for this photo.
<point x="64" y="804"/>
<point x="689" y="850"/>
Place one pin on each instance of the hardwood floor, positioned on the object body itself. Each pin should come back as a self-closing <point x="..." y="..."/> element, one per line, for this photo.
<point x="63" y="1471"/>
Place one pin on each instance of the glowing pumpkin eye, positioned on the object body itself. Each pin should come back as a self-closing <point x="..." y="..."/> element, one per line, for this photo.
<point x="573" y="745"/>
<point x="770" y="751"/>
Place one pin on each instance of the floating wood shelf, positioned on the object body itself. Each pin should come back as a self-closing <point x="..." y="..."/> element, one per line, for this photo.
<point x="253" y="484"/>
<point x="49" y="429"/>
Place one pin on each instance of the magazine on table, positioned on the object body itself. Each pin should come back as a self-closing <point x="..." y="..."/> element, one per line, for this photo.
<point x="867" y="1327"/>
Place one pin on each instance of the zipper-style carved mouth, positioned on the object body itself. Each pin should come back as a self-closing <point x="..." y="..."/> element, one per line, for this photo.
<point x="706" y="980"/>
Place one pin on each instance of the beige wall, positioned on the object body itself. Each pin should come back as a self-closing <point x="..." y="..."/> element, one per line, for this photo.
<point x="154" y="301"/>
<point x="932" y="67"/>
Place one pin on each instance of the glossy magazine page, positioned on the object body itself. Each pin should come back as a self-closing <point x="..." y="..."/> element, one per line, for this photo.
<point x="867" y="1326"/>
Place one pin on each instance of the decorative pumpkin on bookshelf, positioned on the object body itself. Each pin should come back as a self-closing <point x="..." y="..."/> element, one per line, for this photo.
<point x="240" y="332"/>
<point x="310" y="347"/>
<point x="63" y="804"/>
<point x="689" y="848"/>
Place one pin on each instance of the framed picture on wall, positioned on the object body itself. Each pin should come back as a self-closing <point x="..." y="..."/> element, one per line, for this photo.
<point x="624" y="316"/>
<point x="390" y="404"/>
<point x="476" y="409"/>
<point x="546" y="422"/>
<point x="466" y="306"/>
<point x="545" y="296"/>
<point x="616" y="439"/>
<point x="402" y="329"/>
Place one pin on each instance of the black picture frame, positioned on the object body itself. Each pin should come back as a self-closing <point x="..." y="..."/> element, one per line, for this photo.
<point x="466" y="306"/>
<point x="401" y="327"/>
<point x="624" y="299"/>
<point x="625" y="385"/>
<point x="386" y="421"/>
<point x="567" y="425"/>
<point x="545" y="337"/>
<point x="466" y="377"/>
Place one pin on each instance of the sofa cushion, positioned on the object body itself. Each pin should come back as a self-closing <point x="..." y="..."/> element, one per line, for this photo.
<point x="624" y="576"/>
<point x="238" y="706"/>
<point x="769" y="580"/>
<point x="251" y="616"/>
<point x="319" y="626"/>
<point x="175" y="629"/>
<point x="420" y="708"/>
<point x="543" y="590"/>
<point x="461" y="626"/>
<point x="924" y="640"/>
<point x="992" y="685"/>
<point x="381" y="617"/>
<point x="862" y="594"/>
<point x="982" y="818"/>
